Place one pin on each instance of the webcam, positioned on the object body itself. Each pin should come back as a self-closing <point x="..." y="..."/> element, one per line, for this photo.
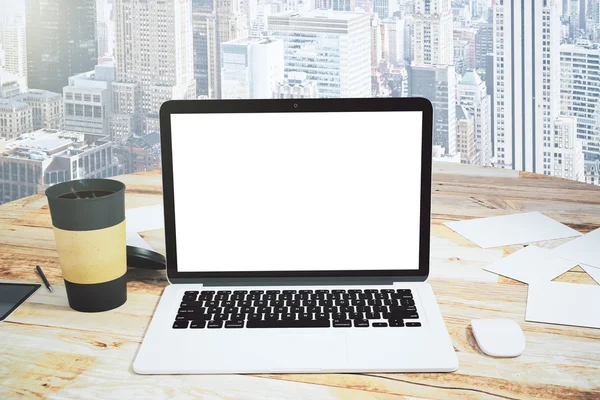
<point x="295" y="105"/>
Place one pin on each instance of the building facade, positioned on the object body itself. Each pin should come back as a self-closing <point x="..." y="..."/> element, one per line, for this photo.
<point x="433" y="33"/>
<point x="472" y="94"/>
<point x="15" y="49"/>
<point x="154" y="61"/>
<point x="88" y="100"/>
<point x="15" y="118"/>
<point x="466" y="143"/>
<point x="438" y="84"/>
<point x="580" y="97"/>
<point x="567" y="153"/>
<point x="296" y="86"/>
<point x="527" y="77"/>
<point x="332" y="48"/>
<point x="46" y="108"/>
<point x="251" y="68"/>
<point x="61" y="41"/>
<point x="36" y="160"/>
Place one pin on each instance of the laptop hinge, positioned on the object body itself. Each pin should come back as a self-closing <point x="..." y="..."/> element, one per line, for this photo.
<point x="299" y="281"/>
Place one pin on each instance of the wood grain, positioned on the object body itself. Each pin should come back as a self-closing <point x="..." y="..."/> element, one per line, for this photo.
<point x="51" y="351"/>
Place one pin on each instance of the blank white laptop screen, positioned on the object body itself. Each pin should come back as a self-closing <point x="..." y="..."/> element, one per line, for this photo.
<point x="297" y="191"/>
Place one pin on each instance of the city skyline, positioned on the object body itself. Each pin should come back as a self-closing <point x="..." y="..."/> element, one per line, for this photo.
<point x="513" y="84"/>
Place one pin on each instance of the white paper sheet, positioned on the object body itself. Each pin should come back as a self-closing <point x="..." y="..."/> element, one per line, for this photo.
<point x="134" y="239"/>
<point x="531" y="264"/>
<point x="144" y="218"/>
<point x="584" y="250"/>
<point x="563" y="303"/>
<point x="511" y="229"/>
<point x="592" y="271"/>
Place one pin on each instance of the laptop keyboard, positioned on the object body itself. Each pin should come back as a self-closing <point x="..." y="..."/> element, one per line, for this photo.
<point x="338" y="308"/>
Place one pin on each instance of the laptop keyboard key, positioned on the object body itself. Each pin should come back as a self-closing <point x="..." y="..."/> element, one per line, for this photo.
<point x="215" y="324"/>
<point x="254" y="317"/>
<point x="361" y="323"/>
<point x="271" y="317"/>
<point x="288" y="316"/>
<point x="180" y="324"/>
<point x="289" y="324"/>
<point x="198" y="324"/>
<point x="380" y="324"/>
<point x="304" y="316"/>
<point x="342" y="323"/>
<point x="190" y="297"/>
<point x="234" y="324"/>
<point x="322" y="316"/>
<point x="373" y="315"/>
<point x="396" y="322"/>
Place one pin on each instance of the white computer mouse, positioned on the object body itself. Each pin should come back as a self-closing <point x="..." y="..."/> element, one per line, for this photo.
<point x="498" y="337"/>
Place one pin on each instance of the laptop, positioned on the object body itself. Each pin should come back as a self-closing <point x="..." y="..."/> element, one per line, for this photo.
<point x="297" y="239"/>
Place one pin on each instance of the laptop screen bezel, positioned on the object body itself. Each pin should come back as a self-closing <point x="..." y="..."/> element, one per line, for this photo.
<point x="289" y="106"/>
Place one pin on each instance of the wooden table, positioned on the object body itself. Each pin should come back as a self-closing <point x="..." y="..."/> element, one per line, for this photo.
<point x="48" y="350"/>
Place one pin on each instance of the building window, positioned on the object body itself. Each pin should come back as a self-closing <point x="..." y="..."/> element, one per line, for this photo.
<point x="52" y="177"/>
<point x="87" y="97"/>
<point x="96" y="98"/>
<point x="29" y="173"/>
<point x="70" y="109"/>
<point x="61" y="176"/>
<point x="87" y="164"/>
<point x="79" y="110"/>
<point x="98" y="160"/>
<point x="88" y="111"/>
<point x="92" y="164"/>
<point x="97" y="112"/>
<point x="78" y="96"/>
<point x="69" y="96"/>
<point x="103" y="157"/>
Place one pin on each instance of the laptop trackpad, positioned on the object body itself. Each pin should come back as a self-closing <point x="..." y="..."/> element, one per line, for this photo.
<point x="308" y="352"/>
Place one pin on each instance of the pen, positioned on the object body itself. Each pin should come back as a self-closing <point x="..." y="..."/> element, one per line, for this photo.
<point x="41" y="274"/>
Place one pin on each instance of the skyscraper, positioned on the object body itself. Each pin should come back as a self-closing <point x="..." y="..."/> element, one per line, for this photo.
<point x="432" y="73"/>
<point x="15" y="49"/>
<point x="105" y="27"/>
<point x="205" y="46"/>
<point x="472" y="94"/>
<point x="580" y="97"/>
<point x="438" y="84"/>
<point x="231" y="24"/>
<point x="433" y="33"/>
<point x="526" y="90"/>
<point x="332" y="48"/>
<point x="61" y="41"/>
<point x="465" y="136"/>
<point x="154" y="62"/>
<point x="251" y="68"/>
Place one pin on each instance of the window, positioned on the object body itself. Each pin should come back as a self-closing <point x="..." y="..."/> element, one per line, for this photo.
<point x="316" y="57"/>
<point x="92" y="164"/>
